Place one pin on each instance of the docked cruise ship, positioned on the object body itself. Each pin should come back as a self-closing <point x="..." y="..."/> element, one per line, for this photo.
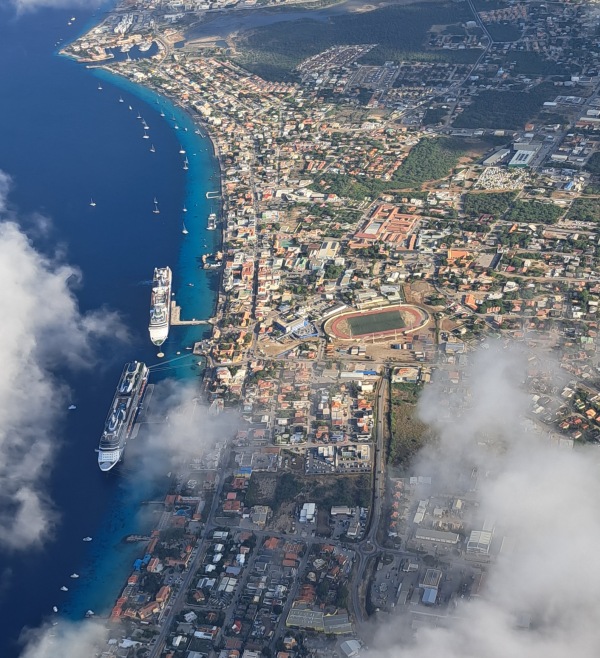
<point x="160" y="305"/>
<point x="122" y="414"/>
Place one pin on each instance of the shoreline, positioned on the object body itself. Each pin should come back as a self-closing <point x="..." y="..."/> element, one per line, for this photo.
<point x="125" y="550"/>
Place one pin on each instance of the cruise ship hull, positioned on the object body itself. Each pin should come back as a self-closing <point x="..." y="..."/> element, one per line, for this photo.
<point x="122" y="414"/>
<point x="160" y="305"/>
<point x="158" y="335"/>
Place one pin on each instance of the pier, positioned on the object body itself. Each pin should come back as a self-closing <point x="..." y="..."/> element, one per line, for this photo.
<point x="176" y="320"/>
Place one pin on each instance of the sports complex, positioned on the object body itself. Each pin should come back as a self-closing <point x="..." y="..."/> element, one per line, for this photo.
<point x="377" y="323"/>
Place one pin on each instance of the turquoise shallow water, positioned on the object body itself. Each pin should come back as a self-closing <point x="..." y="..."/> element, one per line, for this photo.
<point x="63" y="141"/>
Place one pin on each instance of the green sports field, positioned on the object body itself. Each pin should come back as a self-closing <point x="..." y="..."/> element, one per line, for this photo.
<point x="361" y="325"/>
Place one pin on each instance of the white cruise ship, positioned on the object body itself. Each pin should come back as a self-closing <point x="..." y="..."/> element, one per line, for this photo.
<point x="160" y="305"/>
<point x="122" y="415"/>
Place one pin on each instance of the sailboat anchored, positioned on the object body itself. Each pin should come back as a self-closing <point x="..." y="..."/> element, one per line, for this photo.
<point x="156" y="211"/>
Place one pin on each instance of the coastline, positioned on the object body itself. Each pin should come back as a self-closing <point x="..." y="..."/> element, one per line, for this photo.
<point x="101" y="580"/>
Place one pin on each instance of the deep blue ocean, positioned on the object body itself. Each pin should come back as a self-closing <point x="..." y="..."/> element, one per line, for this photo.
<point x="63" y="141"/>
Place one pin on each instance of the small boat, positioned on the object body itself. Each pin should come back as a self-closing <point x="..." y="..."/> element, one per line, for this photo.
<point x="146" y="126"/>
<point x="100" y="87"/>
<point x="185" y="129"/>
<point x="162" y="114"/>
<point x="139" y="116"/>
<point x="54" y="608"/>
<point x="74" y="575"/>
<point x="72" y="407"/>
<point x="185" y="164"/>
<point x="121" y="99"/>
<point x="152" y="149"/>
<point x="145" y="136"/>
<point x="156" y="210"/>
<point x="92" y="203"/>
<point x="87" y="539"/>
<point x="129" y="106"/>
<point x="181" y="149"/>
<point x="64" y="589"/>
<point x="90" y="613"/>
<point x="191" y="285"/>
<point x="176" y="127"/>
<point x="185" y="231"/>
<point x="184" y="209"/>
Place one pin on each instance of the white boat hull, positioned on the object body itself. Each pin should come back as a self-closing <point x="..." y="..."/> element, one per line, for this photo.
<point x="158" y="335"/>
<point x="108" y="459"/>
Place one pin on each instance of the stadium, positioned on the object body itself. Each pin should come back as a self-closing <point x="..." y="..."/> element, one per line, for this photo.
<point x="377" y="324"/>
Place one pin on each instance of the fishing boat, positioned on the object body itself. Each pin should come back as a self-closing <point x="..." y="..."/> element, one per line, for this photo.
<point x="92" y="203"/>
<point x="156" y="211"/>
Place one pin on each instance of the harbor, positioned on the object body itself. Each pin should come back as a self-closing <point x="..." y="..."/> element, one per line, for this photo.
<point x="176" y="320"/>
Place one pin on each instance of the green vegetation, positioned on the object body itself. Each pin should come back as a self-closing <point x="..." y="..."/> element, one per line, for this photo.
<point x="528" y="61"/>
<point x="362" y="325"/>
<point x="593" y="164"/>
<point x="504" y="109"/>
<point x="534" y="211"/>
<point x="273" y="51"/>
<point x="503" y="32"/>
<point x="430" y="159"/>
<point x="585" y="210"/>
<point x="349" y="187"/>
<point x="434" y="115"/>
<point x="482" y="203"/>
<point x="287" y="488"/>
<point x="349" y="490"/>
<point x="408" y="433"/>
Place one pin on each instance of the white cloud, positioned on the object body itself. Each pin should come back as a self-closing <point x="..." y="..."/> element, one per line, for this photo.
<point x="25" y="6"/>
<point x="66" y="640"/>
<point x="42" y="328"/>
<point x="542" y="498"/>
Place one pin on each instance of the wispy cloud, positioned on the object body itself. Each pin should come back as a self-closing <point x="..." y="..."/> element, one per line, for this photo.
<point x="26" y="6"/>
<point x="540" y="497"/>
<point x="67" y="640"/>
<point x="42" y="330"/>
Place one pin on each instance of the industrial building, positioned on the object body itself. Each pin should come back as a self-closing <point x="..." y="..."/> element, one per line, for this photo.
<point x="438" y="536"/>
<point x="524" y="154"/>
<point x="308" y="513"/>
